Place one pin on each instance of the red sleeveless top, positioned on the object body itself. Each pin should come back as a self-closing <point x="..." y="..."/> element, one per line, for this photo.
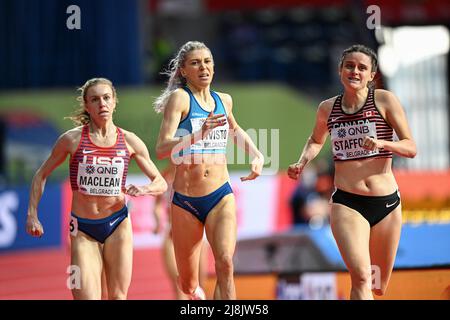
<point x="99" y="171"/>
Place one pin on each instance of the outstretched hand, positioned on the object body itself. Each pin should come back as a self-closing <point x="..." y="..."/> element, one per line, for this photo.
<point x="213" y="121"/>
<point x="134" y="191"/>
<point x="256" y="169"/>
<point x="372" y="144"/>
<point x="34" y="226"/>
<point x="295" y="170"/>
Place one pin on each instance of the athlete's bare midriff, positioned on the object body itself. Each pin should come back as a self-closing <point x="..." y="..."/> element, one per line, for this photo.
<point x="96" y="207"/>
<point x="372" y="177"/>
<point x="201" y="177"/>
<point x="92" y="206"/>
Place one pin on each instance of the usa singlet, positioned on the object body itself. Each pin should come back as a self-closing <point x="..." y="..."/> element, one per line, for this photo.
<point x="347" y="131"/>
<point x="99" y="171"/>
<point x="216" y="140"/>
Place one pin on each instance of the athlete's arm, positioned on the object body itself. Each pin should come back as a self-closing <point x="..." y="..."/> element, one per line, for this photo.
<point x="395" y="116"/>
<point x="57" y="156"/>
<point x="168" y="175"/>
<point x="158" y="208"/>
<point x="243" y="140"/>
<point x="142" y="157"/>
<point x="315" y="141"/>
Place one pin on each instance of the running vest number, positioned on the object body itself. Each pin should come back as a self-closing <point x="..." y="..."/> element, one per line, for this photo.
<point x="216" y="140"/>
<point x="347" y="139"/>
<point x="100" y="176"/>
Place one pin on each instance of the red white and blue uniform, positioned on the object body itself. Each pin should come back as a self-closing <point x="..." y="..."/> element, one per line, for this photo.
<point x="99" y="171"/>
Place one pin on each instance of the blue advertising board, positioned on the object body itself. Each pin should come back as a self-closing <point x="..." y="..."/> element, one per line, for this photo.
<point x="13" y="212"/>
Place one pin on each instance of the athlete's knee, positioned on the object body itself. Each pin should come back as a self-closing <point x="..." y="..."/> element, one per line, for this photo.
<point x="117" y="295"/>
<point x="120" y="296"/>
<point x="85" y="295"/>
<point x="187" y="286"/>
<point x="224" y="264"/>
<point x="361" y="277"/>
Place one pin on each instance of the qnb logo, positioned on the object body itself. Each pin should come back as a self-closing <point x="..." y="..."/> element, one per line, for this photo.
<point x="9" y="202"/>
<point x="74" y="279"/>
<point x="341" y="133"/>
<point x="90" y="169"/>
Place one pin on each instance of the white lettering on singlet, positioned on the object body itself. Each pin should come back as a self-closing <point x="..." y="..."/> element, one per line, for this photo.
<point x="100" y="176"/>
<point x="216" y="139"/>
<point x="347" y="139"/>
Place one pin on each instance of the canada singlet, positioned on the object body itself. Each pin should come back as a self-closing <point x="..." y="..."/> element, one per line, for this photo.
<point x="347" y="131"/>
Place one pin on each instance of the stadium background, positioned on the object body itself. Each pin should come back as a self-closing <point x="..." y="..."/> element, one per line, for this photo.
<point x="278" y="62"/>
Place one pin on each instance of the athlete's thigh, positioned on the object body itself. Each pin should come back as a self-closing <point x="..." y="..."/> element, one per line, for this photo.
<point x="384" y="239"/>
<point x="118" y="256"/>
<point x="86" y="261"/>
<point x="187" y="235"/>
<point x="169" y="256"/>
<point x="221" y="226"/>
<point x="351" y="232"/>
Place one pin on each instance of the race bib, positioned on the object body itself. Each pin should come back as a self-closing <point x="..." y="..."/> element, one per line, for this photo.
<point x="216" y="139"/>
<point x="73" y="226"/>
<point x="100" y="179"/>
<point x="347" y="139"/>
